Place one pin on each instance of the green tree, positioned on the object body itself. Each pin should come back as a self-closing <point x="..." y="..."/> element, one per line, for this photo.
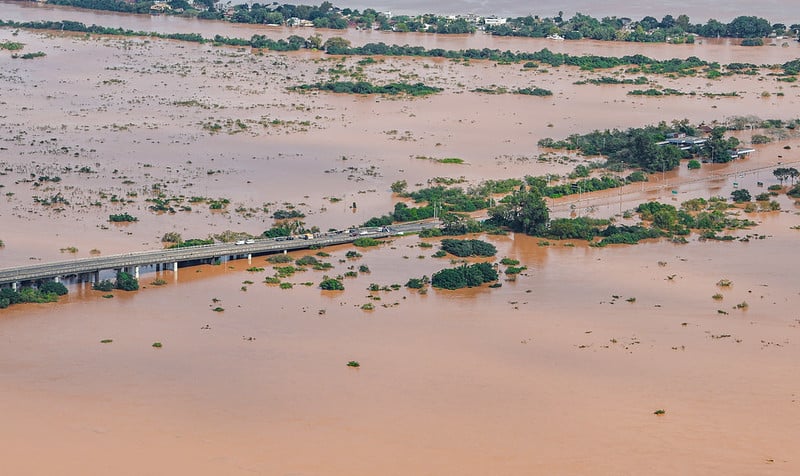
<point x="741" y="195"/>
<point x="331" y="284"/>
<point x="523" y="211"/>
<point x="126" y="282"/>
<point x="781" y="173"/>
<point x="336" y="45"/>
<point x="399" y="186"/>
<point x="52" y="287"/>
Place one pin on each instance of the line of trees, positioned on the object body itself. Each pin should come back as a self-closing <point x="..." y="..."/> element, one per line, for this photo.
<point x="648" y="29"/>
<point x="47" y="291"/>
<point x="341" y="46"/>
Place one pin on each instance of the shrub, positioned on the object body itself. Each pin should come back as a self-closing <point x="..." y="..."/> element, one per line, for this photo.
<point x="122" y="218"/>
<point x="126" y="282"/>
<point x="172" y="237"/>
<point x="762" y="197"/>
<point x="509" y="262"/>
<point x="740" y="196"/>
<point x="52" y="287"/>
<point x="365" y="242"/>
<point x="193" y="242"/>
<point x="307" y="261"/>
<point x="331" y="284"/>
<point x="430" y="233"/>
<point x="281" y="258"/>
<point x="105" y="285"/>
<point x="415" y="283"/>
<point x="399" y="186"/>
<point x="693" y="164"/>
<point x="511" y="270"/>
<point x="286" y="286"/>
<point x="352" y="254"/>
<point x="637" y="176"/>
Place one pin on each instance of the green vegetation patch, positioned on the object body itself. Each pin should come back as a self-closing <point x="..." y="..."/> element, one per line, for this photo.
<point x="465" y="248"/>
<point x="363" y="87"/>
<point x="465" y="276"/>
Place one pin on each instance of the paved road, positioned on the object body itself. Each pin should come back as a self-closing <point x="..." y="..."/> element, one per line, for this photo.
<point x="196" y="253"/>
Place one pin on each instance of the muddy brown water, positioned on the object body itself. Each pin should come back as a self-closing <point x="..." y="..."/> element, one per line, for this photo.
<point x="550" y="373"/>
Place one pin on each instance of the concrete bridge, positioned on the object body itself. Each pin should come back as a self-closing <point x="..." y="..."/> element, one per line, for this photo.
<point x="88" y="269"/>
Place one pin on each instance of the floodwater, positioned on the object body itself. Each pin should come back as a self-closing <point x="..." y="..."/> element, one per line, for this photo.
<point x="557" y="372"/>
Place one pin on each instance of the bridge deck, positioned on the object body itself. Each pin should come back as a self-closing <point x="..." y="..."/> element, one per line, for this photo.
<point x="194" y="253"/>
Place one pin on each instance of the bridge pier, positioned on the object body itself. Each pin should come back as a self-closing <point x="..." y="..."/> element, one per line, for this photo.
<point x="249" y="258"/>
<point x="14" y="286"/>
<point x="57" y="279"/>
<point x="136" y="272"/>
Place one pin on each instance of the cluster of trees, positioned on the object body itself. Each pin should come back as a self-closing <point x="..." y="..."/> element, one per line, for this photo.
<point x="340" y="46"/>
<point x="718" y="148"/>
<point x="364" y="87"/>
<point x="193" y="242"/>
<point x="638" y="147"/>
<point x="784" y="173"/>
<point x="524" y="210"/>
<point x="696" y="214"/>
<point x="465" y="276"/>
<point x="648" y="29"/>
<point x="583" y="186"/>
<point x="109" y="5"/>
<point x="124" y="282"/>
<point x="48" y="291"/>
<point x="68" y="25"/>
<point x="466" y="248"/>
<point x="323" y="15"/>
<point x="122" y="218"/>
<point x="445" y="199"/>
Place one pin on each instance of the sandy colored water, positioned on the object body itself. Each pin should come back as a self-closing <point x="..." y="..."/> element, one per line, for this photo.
<point x="507" y="381"/>
<point x="550" y="374"/>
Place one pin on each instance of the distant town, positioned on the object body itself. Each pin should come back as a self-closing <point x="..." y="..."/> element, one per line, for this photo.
<point x="668" y="29"/>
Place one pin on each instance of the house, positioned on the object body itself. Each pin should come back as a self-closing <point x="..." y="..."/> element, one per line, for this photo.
<point x="494" y="21"/>
<point x="682" y="141"/>
<point x="160" y="7"/>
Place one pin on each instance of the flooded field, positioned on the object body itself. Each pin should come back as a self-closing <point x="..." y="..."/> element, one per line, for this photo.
<point x="557" y="372"/>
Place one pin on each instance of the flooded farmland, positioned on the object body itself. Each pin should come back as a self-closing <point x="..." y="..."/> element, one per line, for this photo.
<point x="559" y="371"/>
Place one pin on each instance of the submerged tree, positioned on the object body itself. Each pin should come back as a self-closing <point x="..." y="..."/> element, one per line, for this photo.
<point x="524" y="210"/>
